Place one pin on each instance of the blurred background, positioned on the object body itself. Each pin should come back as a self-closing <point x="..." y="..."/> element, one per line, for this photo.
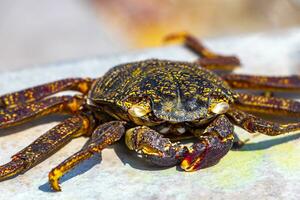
<point x="35" y="32"/>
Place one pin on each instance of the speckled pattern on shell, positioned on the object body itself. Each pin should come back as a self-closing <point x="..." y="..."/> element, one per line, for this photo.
<point x="180" y="91"/>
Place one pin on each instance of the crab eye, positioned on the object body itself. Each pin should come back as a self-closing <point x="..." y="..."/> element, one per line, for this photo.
<point x="138" y="111"/>
<point x="220" y="108"/>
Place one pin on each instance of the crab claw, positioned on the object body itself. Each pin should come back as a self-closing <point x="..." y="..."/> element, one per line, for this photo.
<point x="192" y="160"/>
<point x="206" y="153"/>
<point x="214" y="144"/>
<point x="152" y="146"/>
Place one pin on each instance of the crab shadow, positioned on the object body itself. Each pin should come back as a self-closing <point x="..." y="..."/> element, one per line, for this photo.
<point x="130" y="158"/>
<point x="268" y="143"/>
<point x="123" y="154"/>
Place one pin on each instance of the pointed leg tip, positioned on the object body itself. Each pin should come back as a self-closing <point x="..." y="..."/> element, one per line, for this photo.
<point x="56" y="188"/>
<point x="54" y="177"/>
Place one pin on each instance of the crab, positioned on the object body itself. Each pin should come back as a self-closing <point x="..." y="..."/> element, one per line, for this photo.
<point x="154" y="105"/>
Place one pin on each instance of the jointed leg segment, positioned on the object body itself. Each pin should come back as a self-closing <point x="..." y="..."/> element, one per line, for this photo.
<point x="39" y="92"/>
<point x="103" y="136"/>
<point x="268" y="105"/>
<point x="19" y="107"/>
<point x="46" y="145"/>
<point x="21" y="114"/>
<point x="255" y="124"/>
<point x="209" y="59"/>
<point x="269" y="83"/>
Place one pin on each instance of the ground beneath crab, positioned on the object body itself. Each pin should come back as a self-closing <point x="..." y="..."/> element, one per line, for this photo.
<point x="149" y="103"/>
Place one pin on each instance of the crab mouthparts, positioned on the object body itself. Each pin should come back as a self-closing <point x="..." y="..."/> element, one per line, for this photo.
<point x="180" y="115"/>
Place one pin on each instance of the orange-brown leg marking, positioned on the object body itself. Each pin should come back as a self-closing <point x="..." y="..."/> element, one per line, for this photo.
<point x="21" y="114"/>
<point x="102" y="137"/>
<point x="214" y="144"/>
<point x="209" y="59"/>
<point x="42" y="91"/>
<point x="255" y="124"/>
<point x="45" y="145"/>
<point x="268" y="105"/>
<point x="269" y="83"/>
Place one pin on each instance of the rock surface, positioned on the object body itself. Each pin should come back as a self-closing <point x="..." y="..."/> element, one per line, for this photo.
<point x="266" y="168"/>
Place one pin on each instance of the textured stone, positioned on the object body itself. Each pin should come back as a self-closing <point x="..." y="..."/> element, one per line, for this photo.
<point x="267" y="168"/>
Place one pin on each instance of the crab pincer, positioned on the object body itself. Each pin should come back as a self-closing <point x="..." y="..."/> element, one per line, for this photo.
<point x="214" y="144"/>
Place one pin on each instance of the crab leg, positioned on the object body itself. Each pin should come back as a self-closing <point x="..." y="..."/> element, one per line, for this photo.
<point x="21" y="114"/>
<point x="103" y="136"/>
<point x="39" y="92"/>
<point x="269" y="83"/>
<point x="209" y="59"/>
<point x="153" y="147"/>
<point x="45" y="145"/>
<point x="268" y="105"/>
<point x="255" y="124"/>
<point x="214" y="144"/>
